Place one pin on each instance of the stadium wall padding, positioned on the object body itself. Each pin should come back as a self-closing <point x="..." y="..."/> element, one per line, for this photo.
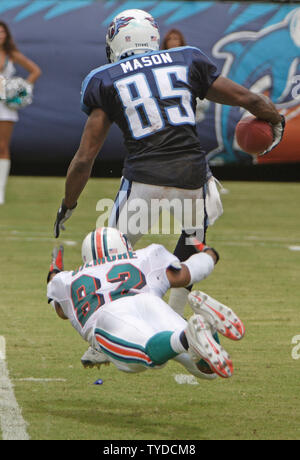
<point x="257" y="45"/>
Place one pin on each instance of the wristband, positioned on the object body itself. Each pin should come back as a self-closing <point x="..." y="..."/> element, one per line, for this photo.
<point x="200" y="266"/>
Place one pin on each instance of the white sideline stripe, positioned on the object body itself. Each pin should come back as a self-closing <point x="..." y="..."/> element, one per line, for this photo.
<point x="261" y="243"/>
<point x="183" y="379"/>
<point x="12" y="424"/>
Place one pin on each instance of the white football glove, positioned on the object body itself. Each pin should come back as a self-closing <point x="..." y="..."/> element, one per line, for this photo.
<point x="278" y="131"/>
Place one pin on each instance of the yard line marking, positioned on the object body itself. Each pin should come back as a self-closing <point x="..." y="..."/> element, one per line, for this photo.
<point x="294" y="248"/>
<point x="12" y="424"/>
<point x="185" y="379"/>
<point x="267" y="243"/>
<point x="34" y="379"/>
<point x="37" y="238"/>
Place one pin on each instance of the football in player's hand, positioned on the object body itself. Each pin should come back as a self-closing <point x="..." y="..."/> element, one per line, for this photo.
<point x="254" y="136"/>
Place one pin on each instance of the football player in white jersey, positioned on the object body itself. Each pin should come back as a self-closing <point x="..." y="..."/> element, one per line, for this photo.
<point x="151" y="95"/>
<point x="114" y="300"/>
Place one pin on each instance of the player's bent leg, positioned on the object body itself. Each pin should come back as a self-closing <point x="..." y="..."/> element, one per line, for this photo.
<point x="161" y="316"/>
<point x="207" y="208"/>
<point x="203" y="346"/>
<point x="4" y="173"/>
<point x="124" y="329"/>
<point x="178" y="299"/>
<point x="138" y="333"/>
<point x="199" y="371"/>
<point x="126" y="356"/>
<point x="218" y="315"/>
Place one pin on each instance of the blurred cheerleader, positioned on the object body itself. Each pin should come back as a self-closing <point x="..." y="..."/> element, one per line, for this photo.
<point x="10" y="55"/>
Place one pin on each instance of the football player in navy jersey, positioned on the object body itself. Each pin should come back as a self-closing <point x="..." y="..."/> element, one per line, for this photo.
<point x="151" y="95"/>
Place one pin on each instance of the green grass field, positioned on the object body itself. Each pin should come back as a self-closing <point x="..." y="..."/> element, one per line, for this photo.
<point x="258" y="276"/>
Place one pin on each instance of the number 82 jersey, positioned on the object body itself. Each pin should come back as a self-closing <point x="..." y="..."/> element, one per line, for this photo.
<point x="83" y="292"/>
<point x="152" y="98"/>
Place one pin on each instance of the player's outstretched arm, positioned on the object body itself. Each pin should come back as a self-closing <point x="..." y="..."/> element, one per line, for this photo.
<point x="195" y="268"/>
<point x="79" y="171"/>
<point x="93" y="137"/>
<point x="226" y="91"/>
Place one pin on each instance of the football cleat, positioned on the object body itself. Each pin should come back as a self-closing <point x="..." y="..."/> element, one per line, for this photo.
<point x="220" y="317"/>
<point x="94" y="358"/>
<point x="203" y="346"/>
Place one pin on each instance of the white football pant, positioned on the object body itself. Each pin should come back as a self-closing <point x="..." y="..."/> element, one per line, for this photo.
<point x="125" y="326"/>
<point x="138" y="206"/>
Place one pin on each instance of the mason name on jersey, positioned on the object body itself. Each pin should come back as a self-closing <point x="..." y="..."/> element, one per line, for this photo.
<point x="146" y="61"/>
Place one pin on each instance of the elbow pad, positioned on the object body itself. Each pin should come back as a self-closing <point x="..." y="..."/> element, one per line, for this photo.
<point x="200" y="266"/>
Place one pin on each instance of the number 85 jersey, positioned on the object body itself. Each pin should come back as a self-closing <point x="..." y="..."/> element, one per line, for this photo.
<point x="83" y="292"/>
<point x="152" y="98"/>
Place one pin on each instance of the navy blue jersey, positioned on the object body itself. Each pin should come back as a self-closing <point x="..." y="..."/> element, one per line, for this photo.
<point x="152" y="98"/>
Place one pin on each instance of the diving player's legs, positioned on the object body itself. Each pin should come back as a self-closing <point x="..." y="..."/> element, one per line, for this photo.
<point x="142" y="332"/>
<point x="136" y="332"/>
<point x="221" y="318"/>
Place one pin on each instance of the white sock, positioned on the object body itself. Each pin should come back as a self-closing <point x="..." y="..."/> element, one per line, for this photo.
<point x="178" y="299"/>
<point x="175" y="342"/>
<point x="4" y="173"/>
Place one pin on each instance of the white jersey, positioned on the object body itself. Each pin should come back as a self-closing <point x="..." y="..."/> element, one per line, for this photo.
<point x="83" y="292"/>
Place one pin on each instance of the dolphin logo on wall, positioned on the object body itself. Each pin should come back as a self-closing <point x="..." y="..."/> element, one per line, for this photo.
<point x="266" y="61"/>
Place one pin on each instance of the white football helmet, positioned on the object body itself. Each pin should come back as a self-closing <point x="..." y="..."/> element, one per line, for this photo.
<point x="104" y="242"/>
<point x="131" y="32"/>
